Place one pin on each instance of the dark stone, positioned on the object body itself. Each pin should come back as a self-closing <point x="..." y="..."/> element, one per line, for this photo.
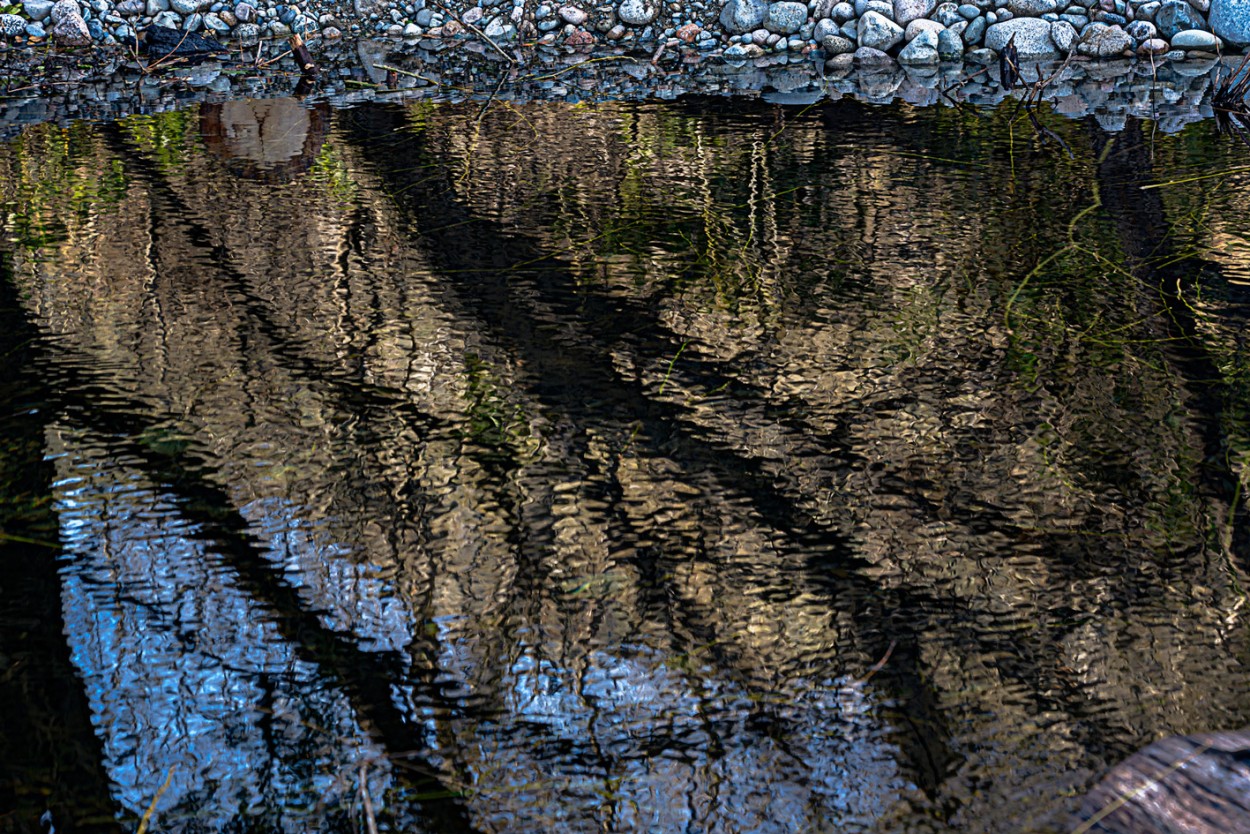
<point x="159" y="41"/>
<point x="1177" y="16"/>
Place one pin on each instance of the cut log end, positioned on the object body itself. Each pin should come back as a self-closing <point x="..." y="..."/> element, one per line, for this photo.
<point x="1197" y="784"/>
<point x="307" y="66"/>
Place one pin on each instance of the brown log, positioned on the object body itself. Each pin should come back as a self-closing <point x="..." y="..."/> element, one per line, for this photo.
<point x="1197" y="784"/>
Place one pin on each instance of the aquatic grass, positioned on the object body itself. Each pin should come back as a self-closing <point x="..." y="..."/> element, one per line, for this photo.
<point x="1196" y="177"/>
<point x="147" y="815"/>
<point x="1232" y="113"/>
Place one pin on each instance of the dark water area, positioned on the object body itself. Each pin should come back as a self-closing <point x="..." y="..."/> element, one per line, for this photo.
<point x="700" y="466"/>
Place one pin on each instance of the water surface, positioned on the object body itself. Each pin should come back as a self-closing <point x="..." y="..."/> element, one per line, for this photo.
<point x="692" y="466"/>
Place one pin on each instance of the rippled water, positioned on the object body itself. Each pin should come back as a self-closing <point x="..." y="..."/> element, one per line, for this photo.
<point x="703" y="466"/>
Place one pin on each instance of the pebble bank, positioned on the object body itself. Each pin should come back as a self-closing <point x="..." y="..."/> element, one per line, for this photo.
<point x="841" y="32"/>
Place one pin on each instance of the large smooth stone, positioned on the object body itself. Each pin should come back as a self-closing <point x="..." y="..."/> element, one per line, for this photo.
<point x="1032" y="37"/>
<point x="741" y="16"/>
<point x="1064" y="35"/>
<point x="1104" y="42"/>
<point x="922" y="50"/>
<point x="905" y="11"/>
<point x="785" y="18"/>
<point x="1196" y="39"/>
<point x="917" y="26"/>
<point x="1177" y="16"/>
<point x="1032" y="8"/>
<point x="1230" y="19"/>
<point x="876" y="31"/>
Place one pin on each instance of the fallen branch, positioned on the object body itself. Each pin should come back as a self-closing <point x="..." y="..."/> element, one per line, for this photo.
<point x="370" y="820"/>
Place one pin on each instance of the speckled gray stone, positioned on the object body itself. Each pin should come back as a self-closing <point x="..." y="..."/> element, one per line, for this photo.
<point x="876" y="31"/>
<point x="1032" y="37"/>
<point x="741" y="16"/>
<point x="71" y="30"/>
<point x="785" y="18"/>
<point x="923" y="50"/>
<point x="637" y="12"/>
<point x="905" y="11"/>
<point x="1230" y="19"/>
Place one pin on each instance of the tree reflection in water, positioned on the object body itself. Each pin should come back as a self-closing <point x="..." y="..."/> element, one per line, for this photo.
<point x="568" y="468"/>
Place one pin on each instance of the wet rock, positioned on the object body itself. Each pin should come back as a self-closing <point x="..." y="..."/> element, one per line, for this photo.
<point x="12" y="25"/>
<point x="823" y="29"/>
<point x="71" y="30"/>
<point x="881" y="7"/>
<point x="842" y="12"/>
<point x="905" y="11"/>
<point x="1032" y="8"/>
<point x="500" y="28"/>
<point x="879" y="32"/>
<point x="1064" y="35"/>
<point x="741" y="16"/>
<point x="744" y="50"/>
<point x="1191" y="39"/>
<point x="689" y="33"/>
<point x="917" y="26"/>
<point x="245" y="12"/>
<point x="839" y="66"/>
<point x="247" y="33"/>
<point x="569" y="14"/>
<point x="1141" y="30"/>
<point x="950" y="46"/>
<point x="975" y="31"/>
<point x="866" y="56"/>
<point x="923" y="49"/>
<point x="637" y="12"/>
<point x="785" y="18"/>
<point x="835" y="45"/>
<point x="1104" y="42"/>
<point x="1230" y="19"/>
<point x="1177" y="16"/>
<point x="37" y="9"/>
<point x="1153" y="46"/>
<point x="1032" y="37"/>
<point x="62" y="8"/>
<point x="947" y="14"/>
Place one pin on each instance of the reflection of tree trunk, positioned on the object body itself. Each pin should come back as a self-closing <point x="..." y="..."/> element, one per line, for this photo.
<point x="573" y="375"/>
<point x="49" y="755"/>
<point x="1145" y="237"/>
<point x="366" y="678"/>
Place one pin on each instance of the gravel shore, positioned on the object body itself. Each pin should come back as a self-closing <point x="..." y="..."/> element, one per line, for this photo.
<point x="842" y="32"/>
